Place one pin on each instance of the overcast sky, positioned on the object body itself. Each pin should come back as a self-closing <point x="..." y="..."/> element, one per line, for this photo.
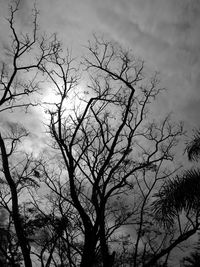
<point x="165" y="33"/>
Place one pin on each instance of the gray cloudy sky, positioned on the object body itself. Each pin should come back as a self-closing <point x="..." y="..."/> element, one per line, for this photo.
<point x="165" y="33"/>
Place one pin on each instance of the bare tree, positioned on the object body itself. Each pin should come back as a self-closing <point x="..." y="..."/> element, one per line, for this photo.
<point x="18" y="82"/>
<point x="108" y="140"/>
<point x="110" y="155"/>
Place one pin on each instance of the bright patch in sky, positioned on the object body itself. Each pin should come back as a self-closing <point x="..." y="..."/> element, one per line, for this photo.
<point x="165" y="33"/>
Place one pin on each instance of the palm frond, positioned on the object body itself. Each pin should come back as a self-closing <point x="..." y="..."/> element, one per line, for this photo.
<point x="193" y="147"/>
<point x="181" y="193"/>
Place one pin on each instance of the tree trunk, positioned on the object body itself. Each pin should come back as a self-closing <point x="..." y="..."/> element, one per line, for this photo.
<point x="107" y="259"/>
<point x="88" y="257"/>
<point x="24" y="245"/>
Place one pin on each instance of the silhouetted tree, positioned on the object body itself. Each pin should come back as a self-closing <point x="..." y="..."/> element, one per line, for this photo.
<point x="193" y="146"/>
<point x="108" y="157"/>
<point x="107" y="141"/>
<point x="182" y="195"/>
<point x="17" y="84"/>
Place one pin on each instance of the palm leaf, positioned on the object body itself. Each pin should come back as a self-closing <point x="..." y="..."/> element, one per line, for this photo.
<point x="193" y="260"/>
<point x="193" y="147"/>
<point x="181" y="193"/>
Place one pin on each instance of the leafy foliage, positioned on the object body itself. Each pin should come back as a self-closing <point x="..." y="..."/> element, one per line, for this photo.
<point x="181" y="193"/>
<point x="193" y="147"/>
<point x="193" y="260"/>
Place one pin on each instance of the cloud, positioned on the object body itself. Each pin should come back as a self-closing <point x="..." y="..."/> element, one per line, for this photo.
<point x="157" y="25"/>
<point x="166" y="35"/>
<point x="73" y="21"/>
<point x="192" y="111"/>
<point x="24" y="14"/>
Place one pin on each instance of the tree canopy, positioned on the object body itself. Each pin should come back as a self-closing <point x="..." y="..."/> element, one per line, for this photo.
<point x="102" y="191"/>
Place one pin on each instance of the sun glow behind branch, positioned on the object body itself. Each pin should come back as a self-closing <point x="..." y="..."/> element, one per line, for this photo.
<point x="73" y="104"/>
